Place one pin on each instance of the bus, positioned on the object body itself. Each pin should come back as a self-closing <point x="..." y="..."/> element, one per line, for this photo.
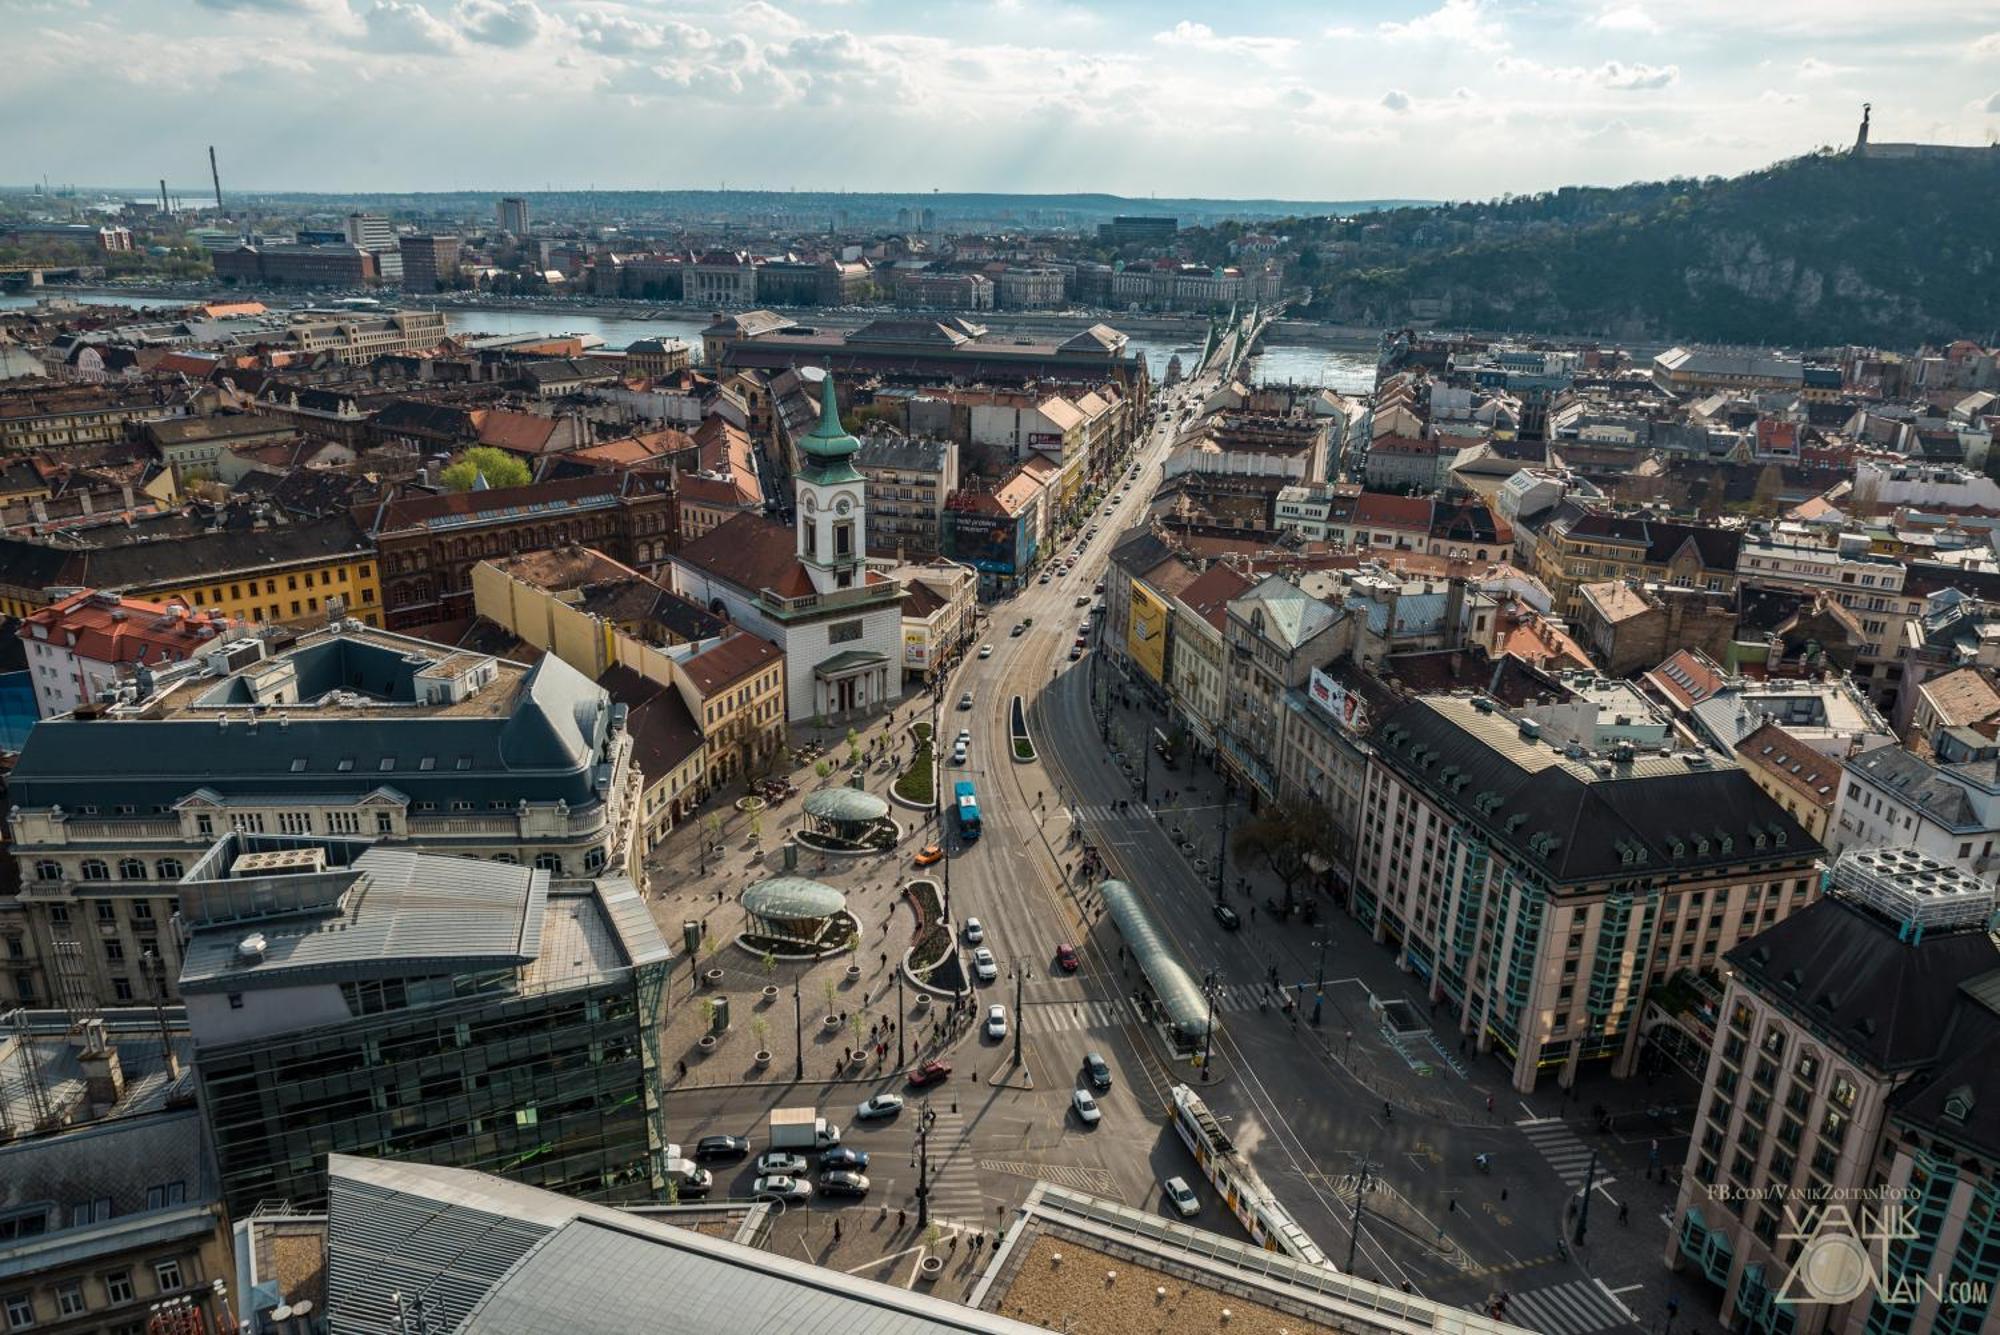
<point x="968" y="810"/>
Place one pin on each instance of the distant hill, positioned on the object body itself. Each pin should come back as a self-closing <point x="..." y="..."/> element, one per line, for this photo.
<point x="1818" y="251"/>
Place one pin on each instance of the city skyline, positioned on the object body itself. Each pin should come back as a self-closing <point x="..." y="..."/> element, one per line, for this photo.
<point x="1433" y="99"/>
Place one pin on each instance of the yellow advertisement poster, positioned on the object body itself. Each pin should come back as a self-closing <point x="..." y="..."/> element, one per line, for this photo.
<point x="1146" y="633"/>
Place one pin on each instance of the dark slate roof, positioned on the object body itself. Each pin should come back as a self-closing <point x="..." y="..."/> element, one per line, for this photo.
<point x="115" y="1160"/>
<point x="1139" y="550"/>
<point x="1959" y="1098"/>
<point x="1662" y="539"/>
<point x="1839" y="969"/>
<point x="1920" y="784"/>
<point x="128" y="565"/>
<point x="1652" y="805"/>
<point x="664" y="732"/>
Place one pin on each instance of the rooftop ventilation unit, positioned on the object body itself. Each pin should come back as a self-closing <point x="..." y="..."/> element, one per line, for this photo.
<point x="251" y="948"/>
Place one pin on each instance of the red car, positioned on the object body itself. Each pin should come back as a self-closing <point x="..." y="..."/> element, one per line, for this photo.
<point x="1066" y="957"/>
<point x="930" y="1073"/>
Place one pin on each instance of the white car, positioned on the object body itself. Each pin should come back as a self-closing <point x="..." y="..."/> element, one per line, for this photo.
<point x="1085" y="1104"/>
<point x="974" y="933"/>
<point x="958" y="754"/>
<point x="986" y="651"/>
<point x="780" y="1164"/>
<point x="964" y="737"/>
<point x="780" y="1187"/>
<point x="996" y="1021"/>
<point x="1181" y="1196"/>
<point x="880" y="1105"/>
<point x="984" y="967"/>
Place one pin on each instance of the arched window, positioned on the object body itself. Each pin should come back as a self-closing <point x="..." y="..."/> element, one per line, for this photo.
<point x="169" y="869"/>
<point x="131" y="869"/>
<point x="48" y="870"/>
<point x="94" y="869"/>
<point x="549" y="862"/>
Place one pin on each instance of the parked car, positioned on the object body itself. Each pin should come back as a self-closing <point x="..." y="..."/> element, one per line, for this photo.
<point x="1083" y="600"/>
<point x="781" y="1187"/>
<point x="1086" y="1107"/>
<point x="996" y="1021"/>
<point x="1181" y="1196"/>
<point x="1019" y="627"/>
<point x="878" y="1106"/>
<point x="1227" y="916"/>
<point x="1043" y="578"/>
<point x="843" y="1184"/>
<point x="974" y="933"/>
<point x="1066" y="957"/>
<point x="958" y="753"/>
<point x="930" y="1073"/>
<point x="1076" y="651"/>
<point x="928" y="854"/>
<point x="779" y="1163"/>
<point x="843" y="1157"/>
<point x="721" y="1147"/>
<point x="1097" y="1070"/>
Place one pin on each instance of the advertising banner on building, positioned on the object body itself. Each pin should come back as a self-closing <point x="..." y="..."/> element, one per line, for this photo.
<point x="916" y="648"/>
<point x="986" y="542"/>
<point x="1335" y="699"/>
<point x="1146" y="633"/>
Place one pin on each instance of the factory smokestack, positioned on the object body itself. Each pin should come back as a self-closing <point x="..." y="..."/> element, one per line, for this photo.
<point x="163" y="194"/>
<point x="216" y="176"/>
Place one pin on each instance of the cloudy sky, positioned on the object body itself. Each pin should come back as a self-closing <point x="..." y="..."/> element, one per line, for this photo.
<point x="1333" y="100"/>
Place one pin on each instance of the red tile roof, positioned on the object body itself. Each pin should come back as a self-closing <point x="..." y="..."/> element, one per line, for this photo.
<point x="1406" y="512"/>
<point x="107" y="629"/>
<point x="738" y="656"/>
<point x="751" y="552"/>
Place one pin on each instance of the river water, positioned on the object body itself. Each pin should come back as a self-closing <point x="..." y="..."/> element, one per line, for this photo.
<point x="1279" y="363"/>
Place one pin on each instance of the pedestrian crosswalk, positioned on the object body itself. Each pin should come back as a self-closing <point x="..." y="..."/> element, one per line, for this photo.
<point x="954" y="1172"/>
<point x="1559" y="1145"/>
<point x="1576" y="1308"/>
<point x="1056" y="1016"/>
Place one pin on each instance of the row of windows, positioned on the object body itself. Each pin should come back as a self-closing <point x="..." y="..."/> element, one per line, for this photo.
<point x="97" y="869"/>
<point x="293" y="583"/>
<point x="68" y="1299"/>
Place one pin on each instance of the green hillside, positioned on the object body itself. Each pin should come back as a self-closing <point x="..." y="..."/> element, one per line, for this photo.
<point x="1820" y="250"/>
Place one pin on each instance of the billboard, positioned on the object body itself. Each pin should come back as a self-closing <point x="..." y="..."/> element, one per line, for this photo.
<point x="1146" y="632"/>
<point x="986" y="542"/>
<point x="1335" y="699"/>
<point x="917" y="648"/>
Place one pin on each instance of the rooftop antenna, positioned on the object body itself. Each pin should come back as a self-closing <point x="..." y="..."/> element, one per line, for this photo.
<point x="39" y="1108"/>
<point x="215" y="176"/>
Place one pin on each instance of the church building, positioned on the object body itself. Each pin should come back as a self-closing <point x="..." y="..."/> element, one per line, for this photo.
<point x="807" y="587"/>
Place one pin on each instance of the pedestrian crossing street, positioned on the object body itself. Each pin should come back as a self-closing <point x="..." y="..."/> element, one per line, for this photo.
<point x="1059" y="1016"/>
<point x="1568" y="1156"/>
<point x="1576" y="1308"/>
<point x="954" y="1177"/>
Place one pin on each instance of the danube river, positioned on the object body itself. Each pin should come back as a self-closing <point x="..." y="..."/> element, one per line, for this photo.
<point x="1294" y="363"/>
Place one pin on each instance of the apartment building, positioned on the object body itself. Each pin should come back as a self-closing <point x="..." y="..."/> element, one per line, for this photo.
<point x="1805" y="782"/>
<point x="277" y="265"/>
<point x="47" y="417"/>
<point x="942" y="291"/>
<point x="430" y="263"/>
<point x="1855" y="1065"/>
<point x="90" y="643"/>
<point x="346" y="731"/>
<point x="1851" y="574"/>
<point x="324" y="978"/>
<point x="722" y="278"/>
<point x="1542" y="890"/>
<point x="1274" y="637"/>
<point x="1578" y="546"/>
<point x="1197" y="670"/>
<point x="1028" y="287"/>
<point x="511" y="213"/>
<point x="908" y="480"/>
<point x="372" y="232"/>
<point x="363" y="339"/>
<point x="1945" y="805"/>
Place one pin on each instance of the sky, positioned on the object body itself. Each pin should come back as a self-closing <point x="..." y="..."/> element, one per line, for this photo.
<point x="1336" y="100"/>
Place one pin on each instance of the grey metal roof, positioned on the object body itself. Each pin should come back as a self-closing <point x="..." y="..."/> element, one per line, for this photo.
<point x="845" y="804"/>
<point x="793" y="897"/>
<point x="631" y="922"/>
<point x="491" y="1256"/>
<point x="406" y="913"/>
<point x="1177" y="991"/>
<point x="1923" y="785"/>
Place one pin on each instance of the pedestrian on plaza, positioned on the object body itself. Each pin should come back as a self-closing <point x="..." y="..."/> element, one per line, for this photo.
<point x="836" y="1230"/>
<point x="902" y="1218"/>
<point x="1625" y="1213"/>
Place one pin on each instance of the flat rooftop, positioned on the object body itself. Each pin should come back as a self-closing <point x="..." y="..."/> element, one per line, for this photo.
<point x="355" y="672"/>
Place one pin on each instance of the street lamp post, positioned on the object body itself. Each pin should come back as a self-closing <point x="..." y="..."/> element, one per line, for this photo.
<point x="1320" y="982"/>
<point x="1021" y="974"/>
<point x="1222" y="848"/>
<point x="798" y="1031"/>
<point x="924" y="1165"/>
<point x="1354" y="1224"/>
<point x="1583" y="1206"/>
<point x="899" y="1016"/>
<point x="1209" y="983"/>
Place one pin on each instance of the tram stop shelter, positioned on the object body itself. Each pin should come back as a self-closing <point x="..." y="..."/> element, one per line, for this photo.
<point x="794" y="908"/>
<point x="1186" y="1007"/>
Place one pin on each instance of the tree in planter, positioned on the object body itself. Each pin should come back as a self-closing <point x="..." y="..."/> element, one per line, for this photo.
<point x="854" y="1027"/>
<point x="853" y="747"/>
<point x="708" y="1013"/>
<point x="826" y="989"/>
<point x="1287" y="837"/>
<point x="770" y="962"/>
<point x="823" y="768"/>
<point x="756" y="826"/>
<point x="761" y="1029"/>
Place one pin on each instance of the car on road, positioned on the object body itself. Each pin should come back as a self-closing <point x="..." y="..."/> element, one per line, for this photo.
<point x="996" y="1021"/>
<point x="843" y="1157"/>
<point x="781" y="1187"/>
<point x="929" y="854"/>
<point x="843" y="1184"/>
<point x="777" y="1163"/>
<point x="1019" y="628"/>
<point x="1097" y="1070"/>
<point x="1098" y="587"/>
<point x="1086" y="1107"/>
<point x="1083" y="600"/>
<point x="1043" y="578"/>
<point x="878" y="1106"/>
<point x="974" y="932"/>
<point x="1066" y="957"/>
<point x="965" y="701"/>
<point x="984" y="967"/>
<point x="1181" y="1196"/>
<point x="964" y="737"/>
<point x="1076" y="651"/>
<point x="930" y="1073"/>
<point x="986" y="651"/>
<point x="1227" y="916"/>
<point x="958" y="753"/>
<point x="721" y="1147"/>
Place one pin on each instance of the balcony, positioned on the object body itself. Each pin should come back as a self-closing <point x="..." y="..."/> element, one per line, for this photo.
<point x="862" y="595"/>
<point x="119" y="831"/>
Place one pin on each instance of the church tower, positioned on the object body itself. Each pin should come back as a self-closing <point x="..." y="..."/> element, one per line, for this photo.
<point x="832" y="502"/>
<point x="1861" y="139"/>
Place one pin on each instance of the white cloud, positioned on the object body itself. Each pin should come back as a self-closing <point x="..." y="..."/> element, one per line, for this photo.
<point x="1776" y="98"/>
<point x="1814" y="68"/>
<point x="509" y="23"/>
<point x="1463" y="23"/>
<point x="1635" y="78"/>
<point x="1989" y="45"/>
<point x="1396" y="100"/>
<point x="614" y="34"/>
<point x="394" y="25"/>
<point x="1201" y="37"/>
<point x="1626" y="18"/>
